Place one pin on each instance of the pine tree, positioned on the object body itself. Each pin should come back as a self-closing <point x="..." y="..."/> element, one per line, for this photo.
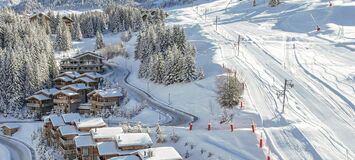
<point x="99" y="40"/>
<point x="63" y="40"/>
<point x="229" y="91"/>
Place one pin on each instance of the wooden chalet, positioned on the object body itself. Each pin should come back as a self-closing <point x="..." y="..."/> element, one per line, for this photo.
<point x="63" y="81"/>
<point x="39" y="104"/>
<point x="51" y="125"/>
<point x="80" y="88"/>
<point x="66" y="101"/>
<point x="161" y="153"/>
<point x="105" y="99"/>
<point x="85" y="148"/>
<point x="82" y="63"/>
<point x="66" y="141"/>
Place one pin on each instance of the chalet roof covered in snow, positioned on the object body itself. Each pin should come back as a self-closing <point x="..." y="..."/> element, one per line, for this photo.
<point x="39" y="97"/>
<point x="113" y="92"/>
<point x="107" y="148"/>
<point x="93" y="75"/>
<point x="84" y="141"/>
<point x="131" y="157"/>
<point x="39" y="15"/>
<point x="90" y="123"/>
<point x="106" y="132"/>
<point x="10" y="125"/>
<point x="64" y="78"/>
<point x="48" y="92"/>
<point x="159" y="153"/>
<point x="71" y="117"/>
<point x="84" y="79"/>
<point x="133" y="139"/>
<point x="67" y="130"/>
<point x="71" y="74"/>
<point x="77" y="86"/>
<point x="88" y="54"/>
<point x="56" y="120"/>
<point x="67" y="92"/>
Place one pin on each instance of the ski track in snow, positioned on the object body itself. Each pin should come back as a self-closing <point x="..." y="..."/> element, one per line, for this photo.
<point x="301" y="95"/>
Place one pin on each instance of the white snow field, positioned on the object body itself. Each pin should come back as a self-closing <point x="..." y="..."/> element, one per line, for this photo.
<point x="277" y="43"/>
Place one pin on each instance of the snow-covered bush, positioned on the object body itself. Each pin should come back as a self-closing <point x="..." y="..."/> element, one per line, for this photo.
<point x="115" y="50"/>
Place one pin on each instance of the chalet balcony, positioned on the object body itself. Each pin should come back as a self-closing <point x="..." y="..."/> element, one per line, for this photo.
<point x="103" y="104"/>
<point x="60" y="101"/>
<point x="66" y="142"/>
<point x="34" y="105"/>
<point x="66" y="101"/>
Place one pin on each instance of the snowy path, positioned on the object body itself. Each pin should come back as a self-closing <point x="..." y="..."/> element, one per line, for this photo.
<point x="17" y="150"/>
<point x="314" y="125"/>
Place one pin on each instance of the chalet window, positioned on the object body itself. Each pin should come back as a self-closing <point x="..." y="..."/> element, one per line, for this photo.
<point x="85" y="151"/>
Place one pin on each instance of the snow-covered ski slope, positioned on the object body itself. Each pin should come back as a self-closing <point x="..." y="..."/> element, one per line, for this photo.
<point x="281" y="43"/>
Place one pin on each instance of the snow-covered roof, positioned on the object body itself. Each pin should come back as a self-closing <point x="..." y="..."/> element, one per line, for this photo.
<point x="67" y="92"/>
<point x="84" y="79"/>
<point x="67" y="130"/>
<point x="160" y="153"/>
<point x="113" y="92"/>
<point x="131" y="157"/>
<point x="88" y="53"/>
<point x="56" y="120"/>
<point x="91" y="123"/>
<point x="11" y="125"/>
<point x="77" y="86"/>
<point x="71" y="74"/>
<point x="107" y="148"/>
<point x="71" y="117"/>
<point x="83" y="141"/>
<point x="39" y="97"/>
<point x="106" y="132"/>
<point x="47" y="92"/>
<point x="93" y="75"/>
<point x="64" y="78"/>
<point x="39" y="14"/>
<point x="133" y="139"/>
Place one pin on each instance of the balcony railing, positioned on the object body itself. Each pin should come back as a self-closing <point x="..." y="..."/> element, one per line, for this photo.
<point x="33" y="105"/>
<point x="103" y="103"/>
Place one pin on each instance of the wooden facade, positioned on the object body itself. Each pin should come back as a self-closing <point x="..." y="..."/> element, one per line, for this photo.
<point x="39" y="104"/>
<point x="63" y="81"/>
<point x="66" y="101"/>
<point x="82" y="63"/>
<point x="105" y="99"/>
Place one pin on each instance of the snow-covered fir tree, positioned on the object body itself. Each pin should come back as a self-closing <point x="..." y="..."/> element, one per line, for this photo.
<point x="229" y="91"/>
<point x="99" y="40"/>
<point x="26" y="60"/>
<point x="166" y="57"/>
<point x="63" y="41"/>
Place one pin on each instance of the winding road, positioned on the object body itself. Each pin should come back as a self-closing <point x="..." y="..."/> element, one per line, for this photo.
<point x="178" y="117"/>
<point x="15" y="149"/>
